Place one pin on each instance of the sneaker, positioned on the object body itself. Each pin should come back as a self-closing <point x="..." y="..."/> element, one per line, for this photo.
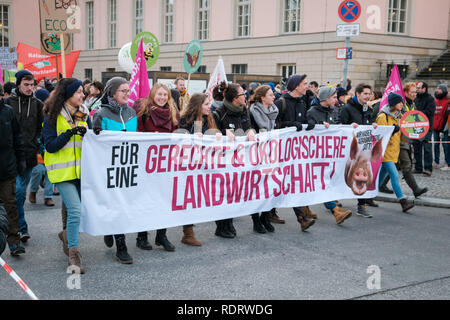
<point x="17" y="250"/>
<point x="24" y="236"/>
<point x="363" y="212"/>
<point x="427" y="173"/>
<point x="435" y="165"/>
<point x="446" y="168"/>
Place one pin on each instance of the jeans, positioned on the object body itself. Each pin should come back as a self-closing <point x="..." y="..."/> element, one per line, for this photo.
<point x="21" y="194"/>
<point x="427" y="154"/>
<point x="71" y="195"/>
<point x="330" y="205"/>
<point x="390" y="168"/>
<point x="437" y="147"/>
<point x="36" y="176"/>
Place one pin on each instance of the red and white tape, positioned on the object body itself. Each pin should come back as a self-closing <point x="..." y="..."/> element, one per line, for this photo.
<point x="17" y="279"/>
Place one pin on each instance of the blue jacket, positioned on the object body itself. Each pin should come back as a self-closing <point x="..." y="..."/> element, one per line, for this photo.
<point x="115" y="118"/>
<point x="52" y="142"/>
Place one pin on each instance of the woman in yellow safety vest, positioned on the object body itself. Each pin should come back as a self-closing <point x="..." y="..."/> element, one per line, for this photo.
<point x="65" y="124"/>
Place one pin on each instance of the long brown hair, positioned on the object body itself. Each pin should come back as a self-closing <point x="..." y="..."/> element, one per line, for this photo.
<point x="55" y="102"/>
<point x="260" y="92"/>
<point x="148" y="103"/>
<point x="193" y="111"/>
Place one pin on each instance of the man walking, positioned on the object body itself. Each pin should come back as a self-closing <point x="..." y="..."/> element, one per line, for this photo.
<point x="28" y="112"/>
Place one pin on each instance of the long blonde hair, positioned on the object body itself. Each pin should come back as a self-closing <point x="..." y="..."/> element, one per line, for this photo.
<point x="149" y="103"/>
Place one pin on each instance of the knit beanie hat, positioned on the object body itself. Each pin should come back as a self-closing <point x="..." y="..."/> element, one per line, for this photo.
<point x="443" y="87"/>
<point x="113" y="84"/>
<point x="21" y="74"/>
<point x="341" y="92"/>
<point x="394" y="99"/>
<point x="72" y="88"/>
<point x="42" y="94"/>
<point x="294" y="81"/>
<point x="326" y="92"/>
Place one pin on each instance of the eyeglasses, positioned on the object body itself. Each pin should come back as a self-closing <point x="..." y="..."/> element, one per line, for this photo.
<point x="242" y="94"/>
<point x="124" y="91"/>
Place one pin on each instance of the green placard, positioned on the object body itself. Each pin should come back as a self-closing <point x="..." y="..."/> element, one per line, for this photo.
<point x="193" y="56"/>
<point x="151" y="47"/>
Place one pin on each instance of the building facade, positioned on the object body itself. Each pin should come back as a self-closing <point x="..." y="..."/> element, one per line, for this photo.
<point x="262" y="37"/>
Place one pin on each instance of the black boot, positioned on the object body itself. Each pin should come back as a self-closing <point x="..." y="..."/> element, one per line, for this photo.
<point x="122" y="254"/>
<point x="411" y="182"/>
<point x="230" y="227"/>
<point x="383" y="188"/>
<point x="406" y="205"/>
<point x="221" y="231"/>
<point x="109" y="241"/>
<point x="142" y="241"/>
<point x="161" y="240"/>
<point x="266" y="221"/>
<point x="257" y="226"/>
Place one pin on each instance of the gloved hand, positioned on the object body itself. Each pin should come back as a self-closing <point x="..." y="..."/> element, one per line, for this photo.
<point x="97" y="131"/>
<point x="124" y="130"/>
<point x="396" y="128"/>
<point x="296" y="124"/>
<point x="21" y="167"/>
<point x="79" y="130"/>
<point x="310" y="126"/>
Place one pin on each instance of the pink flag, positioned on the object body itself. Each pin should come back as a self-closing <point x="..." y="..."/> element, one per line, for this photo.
<point x="1" y="76"/>
<point x="139" y="86"/>
<point x="394" y="85"/>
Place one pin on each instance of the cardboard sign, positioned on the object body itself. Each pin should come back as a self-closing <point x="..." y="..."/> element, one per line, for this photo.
<point x="60" y="16"/>
<point x="51" y="44"/>
<point x="414" y="125"/>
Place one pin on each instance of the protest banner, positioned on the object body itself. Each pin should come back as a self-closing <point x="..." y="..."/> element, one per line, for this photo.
<point x="134" y="181"/>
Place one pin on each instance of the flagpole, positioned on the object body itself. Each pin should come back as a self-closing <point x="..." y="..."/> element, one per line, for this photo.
<point x="63" y="57"/>
<point x="189" y="79"/>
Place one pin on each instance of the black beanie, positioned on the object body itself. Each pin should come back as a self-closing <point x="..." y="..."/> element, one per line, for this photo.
<point x="294" y="81"/>
<point x="21" y="74"/>
<point x="394" y="99"/>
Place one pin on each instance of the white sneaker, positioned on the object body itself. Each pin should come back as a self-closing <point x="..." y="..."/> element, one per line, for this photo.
<point x="446" y="168"/>
<point x="435" y="165"/>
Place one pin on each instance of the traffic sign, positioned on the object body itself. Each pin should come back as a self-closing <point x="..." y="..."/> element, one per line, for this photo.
<point x="349" y="55"/>
<point x="341" y="53"/>
<point x="415" y="125"/>
<point x="349" y="11"/>
<point x="348" y="30"/>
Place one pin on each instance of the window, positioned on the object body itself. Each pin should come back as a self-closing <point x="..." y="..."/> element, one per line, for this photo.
<point x="397" y="16"/>
<point x="88" y="74"/>
<point x="243" y="18"/>
<point x="112" y="24"/>
<point x="138" y="16"/>
<point x="201" y="69"/>
<point x="165" y="69"/>
<point x="287" y="70"/>
<point x="291" y="20"/>
<point x="203" y="19"/>
<point x="4" y="26"/>
<point x="239" y="68"/>
<point x="90" y="25"/>
<point x="168" y="20"/>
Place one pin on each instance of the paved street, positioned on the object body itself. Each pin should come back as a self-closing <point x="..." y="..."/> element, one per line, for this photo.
<point x="328" y="262"/>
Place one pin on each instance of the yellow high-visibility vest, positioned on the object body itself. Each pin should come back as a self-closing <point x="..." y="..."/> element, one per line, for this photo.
<point x="65" y="164"/>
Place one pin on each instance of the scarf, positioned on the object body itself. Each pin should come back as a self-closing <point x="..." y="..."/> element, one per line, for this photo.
<point x="161" y="117"/>
<point x="74" y="114"/>
<point x="264" y="117"/>
<point x="233" y="108"/>
<point x="113" y="103"/>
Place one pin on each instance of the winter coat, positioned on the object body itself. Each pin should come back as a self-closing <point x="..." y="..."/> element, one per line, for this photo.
<point x="425" y="103"/>
<point x="385" y="118"/>
<point x="3" y="228"/>
<point x="439" y="119"/>
<point x="294" y="110"/>
<point x="318" y="114"/>
<point x="12" y="150"/>
<point x="215" y="104"/>
<point x="227" y="119"/>
<point x="115" y="118"/>
<point x="353" y="112"/>
<point x="28" y="111"/>
<point x="191" y="127"/>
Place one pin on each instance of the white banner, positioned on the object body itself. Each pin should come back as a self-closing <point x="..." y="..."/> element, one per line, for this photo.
<point x="134" y="181"/>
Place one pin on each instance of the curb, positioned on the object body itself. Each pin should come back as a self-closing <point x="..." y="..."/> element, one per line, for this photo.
<point x="421" y="201"/>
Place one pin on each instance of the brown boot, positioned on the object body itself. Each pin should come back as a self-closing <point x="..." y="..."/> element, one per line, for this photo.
<point x="309" y="213"/>
<point x="63" y="237"/>
<point x="274" y="218"/>
<point x="49" y="202"/>
<point x="305" y="223"/>
<point x="189" y="237"/>
<point x="75" y="261"/>
<point x="32" y="197"/>
<point x="406" y="205"/>
<point x="341" y="214"/>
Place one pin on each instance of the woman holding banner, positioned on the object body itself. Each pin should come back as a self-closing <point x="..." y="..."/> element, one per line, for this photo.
<point x="196" y="119"/>
<point x="232" y="118"/>
<point x="263" y="115"/>
<point x="64" y="126"/>
<point x="158" y="113"/>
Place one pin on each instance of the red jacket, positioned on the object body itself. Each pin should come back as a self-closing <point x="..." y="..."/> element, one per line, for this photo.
<point x="439" y="114"/>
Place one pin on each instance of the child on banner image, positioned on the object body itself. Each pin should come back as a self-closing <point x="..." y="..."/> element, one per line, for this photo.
<point x="115" y="115"/>
<point x="263" y="115"/>
<point x="232" y="118"/>
<point x="390" y="115"/>
<point x="321" y="112"/>
<point x="65" y="123"/>
<point x="196" y="118"/>
<point x="157" y="113"/>
<point x="292" y="113"/>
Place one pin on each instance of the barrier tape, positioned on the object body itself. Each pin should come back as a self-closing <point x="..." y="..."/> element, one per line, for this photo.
<point x="17" y="279"/>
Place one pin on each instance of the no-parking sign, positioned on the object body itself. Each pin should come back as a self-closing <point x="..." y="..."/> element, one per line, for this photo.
<point x="349" y="11"/>
<point x="415" y="125"/>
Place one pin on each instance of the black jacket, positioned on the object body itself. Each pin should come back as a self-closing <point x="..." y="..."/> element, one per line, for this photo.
<point x="11" y="144"/>
<point x="227" y="119"/>
<point x="426" y="103"/>
<point x="354" y="112"/>
<point x="295" y="110"/>
<point x="318" y="115"/>
<point x="28" y="111"/>
<point x="3" y="228"/>
<point x="191" y="127"/>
